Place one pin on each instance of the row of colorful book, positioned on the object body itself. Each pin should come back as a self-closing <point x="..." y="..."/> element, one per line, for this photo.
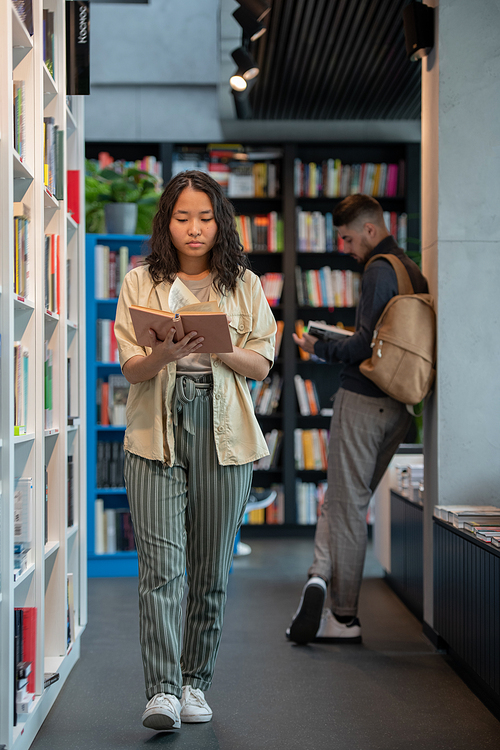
<point x="241" y="172"/>
<point x="266" y="394"/>
<point x="21" y="250"/>
<point x="332" y="179"/>
<point x="110" y="269"/>
<point x="110" y="457"/>
<point x="316" y="232"/>
<point x="149" y="164"/>
<point x="309" y="498"/>
<point x="274" y="440"/>
<point x="272" y="284"/>
<point x="262" y="233"/>
<point x="307" y="396"/>
<point x="111" y="400"/>
<point x="274" y="514"/>
<point x="327" y="287"/>
<point x="113" y="529"/>
<point x="106" y="346"/>
<point x="311" y="449"/>
<point x="52" y="248"/>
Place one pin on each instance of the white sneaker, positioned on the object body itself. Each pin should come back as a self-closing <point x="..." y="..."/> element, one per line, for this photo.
<point x="162" y="712"/>
<point x="306" y="620"/>
<point x="194" y="708"/>
<point x="332" y="631"/>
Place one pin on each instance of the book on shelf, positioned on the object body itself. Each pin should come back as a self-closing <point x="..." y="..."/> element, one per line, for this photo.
<point x="113" y="529"/>
<point x="73" y="193"/>
<point x="21" y="371"/>
<point x="307" y="396"/>
<point x="52" y="249"/>
<point x="23" y="523"/>
<point x="110" y="464"/>
<point x="106" y="345"/>
<point x="309" y="498"/>
<point x="266" y="394"/>
<point x="77" y="47"/>
<point x="273" y="514"/>
<point x="25" y="635"/>
<point x="327" y="287"/>
<point x="25" y="11"/>
<point x="325" y="332"/>
<point x="19" y="118"/>
<point x="48" y="40"/>
<point x="117" y="395"/>
<point x="274" y="440"/>
<point x="71" y="492"/>
<point x="48" y="377"/>
<point x="70" y="605"/>
<point x="272" y="284"/>
<point x="204" y="318"/>
<point x="110" y="269"/>
<point x="311" y="449"/>
<point x="332" y="179"/>
<point x="22" y="217"/>
<point x="262" y="233"/>
<point x="49" y="678"/>
<point x="459" y="515"/>
<point x="46" y="506"/>
<point x="53" y="156"/>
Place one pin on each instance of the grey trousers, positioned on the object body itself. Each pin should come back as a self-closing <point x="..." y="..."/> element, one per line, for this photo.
<point x="364" y="435"/>
<point x="185" y="520"/>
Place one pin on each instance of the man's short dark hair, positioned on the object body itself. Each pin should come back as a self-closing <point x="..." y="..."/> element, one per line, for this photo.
<point x="358" y="209"/>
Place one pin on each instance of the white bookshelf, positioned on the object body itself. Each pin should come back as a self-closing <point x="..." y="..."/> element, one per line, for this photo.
<point x="43" y="584"/>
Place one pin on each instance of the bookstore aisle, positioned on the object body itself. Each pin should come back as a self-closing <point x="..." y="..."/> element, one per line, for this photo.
<point x="394" y="691"/>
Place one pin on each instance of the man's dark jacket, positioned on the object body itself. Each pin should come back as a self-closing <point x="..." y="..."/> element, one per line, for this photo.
<point x="379" y="284"/>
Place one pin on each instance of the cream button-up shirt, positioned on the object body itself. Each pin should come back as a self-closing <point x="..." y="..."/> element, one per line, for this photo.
<point x="237" y="434"/>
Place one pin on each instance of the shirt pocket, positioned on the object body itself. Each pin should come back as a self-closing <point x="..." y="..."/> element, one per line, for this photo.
<point x="240" y="328"/>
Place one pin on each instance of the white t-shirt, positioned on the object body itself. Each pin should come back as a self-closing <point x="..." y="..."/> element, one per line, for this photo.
<point x="197" y="364"/>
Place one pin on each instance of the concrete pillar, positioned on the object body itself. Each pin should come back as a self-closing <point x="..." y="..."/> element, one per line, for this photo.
<point x="461" y="258"/>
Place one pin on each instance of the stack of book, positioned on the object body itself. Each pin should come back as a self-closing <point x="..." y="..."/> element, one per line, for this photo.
<point x="262" y="233"/>
<point x="274" y="514"/>
<point x="53" y="157"/>
<point x="309" y="499"/>
<point x="327" y="287"/>
<point x="332" y="179"/>
<point x="311" y="449"/>
<point x="481" y="520"/>
<point x="110" y="269"/>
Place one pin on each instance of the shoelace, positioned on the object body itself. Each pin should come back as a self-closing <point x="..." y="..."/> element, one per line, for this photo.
<point x="163" y="698"/>
<point x="194" y="695"/>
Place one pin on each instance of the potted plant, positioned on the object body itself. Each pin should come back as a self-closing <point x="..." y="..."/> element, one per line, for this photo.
<point x="120" y="200"/>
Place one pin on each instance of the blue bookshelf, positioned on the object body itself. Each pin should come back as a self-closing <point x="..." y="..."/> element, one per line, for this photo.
<point x="118" y="563"/>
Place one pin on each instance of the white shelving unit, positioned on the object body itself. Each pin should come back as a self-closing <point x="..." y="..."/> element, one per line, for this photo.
<point x="43" y="584"/>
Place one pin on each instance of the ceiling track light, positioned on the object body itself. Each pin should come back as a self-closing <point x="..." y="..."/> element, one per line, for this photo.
<point x="247" y="69"/>
<point x="258" y="8"/>
<point x="252" y="28"/>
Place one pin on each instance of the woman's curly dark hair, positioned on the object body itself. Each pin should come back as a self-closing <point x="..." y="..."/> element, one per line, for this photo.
<point x="227" y="259"/>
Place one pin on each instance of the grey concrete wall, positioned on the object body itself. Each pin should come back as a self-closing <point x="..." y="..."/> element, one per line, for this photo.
<point x="461" y="258"/>
<point x="154" y="72"/>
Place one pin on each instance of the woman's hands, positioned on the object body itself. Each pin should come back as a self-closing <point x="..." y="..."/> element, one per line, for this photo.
<point x="138" y="369"/>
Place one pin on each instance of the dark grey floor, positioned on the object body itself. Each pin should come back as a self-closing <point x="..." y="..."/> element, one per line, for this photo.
<point x="390" y="693"/>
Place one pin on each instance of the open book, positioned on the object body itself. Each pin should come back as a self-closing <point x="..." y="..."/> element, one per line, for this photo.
<point x="203" y="317"/>
<point x="327" y="333"/>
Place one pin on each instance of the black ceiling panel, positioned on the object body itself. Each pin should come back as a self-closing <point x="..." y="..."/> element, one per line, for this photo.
<point x="335" y="60"/>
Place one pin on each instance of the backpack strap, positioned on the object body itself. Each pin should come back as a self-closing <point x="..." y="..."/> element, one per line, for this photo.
<point x="404" y="282"/>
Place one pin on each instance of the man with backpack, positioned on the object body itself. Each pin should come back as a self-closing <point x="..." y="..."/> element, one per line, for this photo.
<point x="366" y="429"/>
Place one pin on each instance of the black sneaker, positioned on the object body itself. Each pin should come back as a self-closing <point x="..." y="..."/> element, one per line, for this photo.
<point x="307" y="618"/>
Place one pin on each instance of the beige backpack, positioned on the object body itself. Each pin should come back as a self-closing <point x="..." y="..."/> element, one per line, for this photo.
<point x="404" y="342"/>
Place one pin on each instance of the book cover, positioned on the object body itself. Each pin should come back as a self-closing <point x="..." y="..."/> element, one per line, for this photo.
<point x="204" y="318"/>
<point x="327" y="333"/>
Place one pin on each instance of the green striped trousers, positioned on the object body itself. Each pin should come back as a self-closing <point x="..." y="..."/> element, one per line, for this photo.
<point x="185" y="520"/>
